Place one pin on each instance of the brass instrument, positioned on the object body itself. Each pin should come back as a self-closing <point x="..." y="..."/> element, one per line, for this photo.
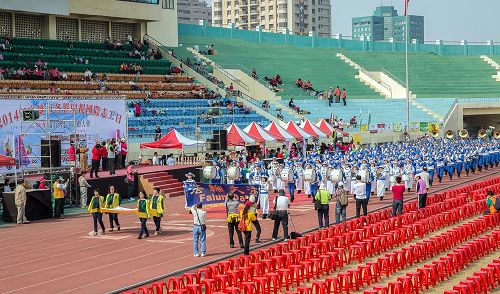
<point x="482" y="133"/>
<point x="496" y="135"/>
<point x="435" y="134"/>
<point x="450" y="134"/>
<point x="464" y="134"/>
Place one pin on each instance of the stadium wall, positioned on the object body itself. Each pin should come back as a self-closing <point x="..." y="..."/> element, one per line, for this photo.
<point x="338" y="42"/>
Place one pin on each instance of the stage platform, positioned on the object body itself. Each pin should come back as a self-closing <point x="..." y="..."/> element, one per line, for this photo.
<point x="60" y="256"/>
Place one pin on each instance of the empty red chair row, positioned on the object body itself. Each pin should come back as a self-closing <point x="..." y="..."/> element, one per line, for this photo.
<point x="483" y="281"/>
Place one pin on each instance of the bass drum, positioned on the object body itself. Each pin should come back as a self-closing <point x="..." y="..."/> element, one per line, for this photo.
<point x="286" y="175"/>
<point x="336" y="176"/>
<point x="309" y="175"/>
<point x="392" y="179"/>
<point x="233" y="172"/>
<point x="209" y="172"/>
<point x="364" y="176"/>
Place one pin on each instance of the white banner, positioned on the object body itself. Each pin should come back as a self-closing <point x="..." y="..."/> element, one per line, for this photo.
<point x="66" y="119"/>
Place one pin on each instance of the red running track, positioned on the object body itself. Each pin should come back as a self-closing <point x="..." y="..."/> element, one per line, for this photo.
<point x="59" y="256"/>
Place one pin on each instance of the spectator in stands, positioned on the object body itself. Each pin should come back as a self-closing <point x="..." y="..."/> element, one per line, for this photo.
<point x="278" y="79"/>
<point x="96" y="158"/>
<point x="157" y="55"/>
<point x="279" y="114"/>
<point x="397" y="199"/>
<point x="299" y="83"/>
<point x="157" y="133"/>
<point x="330" y="96"/>
<point x="211" y="50"/>
<point x="290" y="103"/>
<point x="254" y="74"/>
<point x="344" y="96"/>
<point x="130" y="39"/>
<point x="87" y="76"/>
<point x="69" y="43"/>
<point x="138" y="109"/>
<point x="199" y="230"/>
<point x="353" y="121"/>
<point x="54" y="74"/>
<point x="2" y="77"/>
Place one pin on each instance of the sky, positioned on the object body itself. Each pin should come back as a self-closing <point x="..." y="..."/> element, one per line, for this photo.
<point x="447" y="20"/>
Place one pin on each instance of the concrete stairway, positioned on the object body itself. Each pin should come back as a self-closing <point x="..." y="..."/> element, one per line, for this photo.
<point x="169" y="186"/>
<point x="494" y="64"/>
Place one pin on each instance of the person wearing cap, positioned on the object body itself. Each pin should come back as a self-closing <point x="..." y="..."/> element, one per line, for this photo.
<point x="264" y="195"/>
<point x="20" y="201"/>
<point x="341" y="201"/>
<point x="112" y="201"/>
<point x="95" y="206"/>
<point x="233" y="219"/>
<point x="42" y="184"/>
<point x="199" y="230"/>
<point x="324" y="210"/>
<point x="83" y="184"/>
<point x="281" y="204"/>
<point x="157" y="208"/>
<point x="247" y="215"/>
<point x="189" y="183"/>
<point x="58" y="194"/>
<point x="143" y="213"/>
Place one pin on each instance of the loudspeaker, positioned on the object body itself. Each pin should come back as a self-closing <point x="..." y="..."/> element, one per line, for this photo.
<point x="51" y="148"/>
<point x="220" y="136"/>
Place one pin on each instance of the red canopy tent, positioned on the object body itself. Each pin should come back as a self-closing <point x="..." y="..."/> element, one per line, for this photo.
<point x="172" y="140"/>
<point x="278" y="132"/>
<point x="296" y="131"/>
<point x="236" y="137"/>
<point x="7" y="161"/>
<point x="312" y="130"/>
<point x="328" y="129"/>
<point x="258" y="133"/>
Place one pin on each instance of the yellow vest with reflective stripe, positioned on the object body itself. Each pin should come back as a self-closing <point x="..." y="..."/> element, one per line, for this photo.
<point x="58" y="193"/>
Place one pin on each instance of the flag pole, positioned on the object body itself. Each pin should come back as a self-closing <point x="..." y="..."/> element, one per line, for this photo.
<point x="407" y="79"/>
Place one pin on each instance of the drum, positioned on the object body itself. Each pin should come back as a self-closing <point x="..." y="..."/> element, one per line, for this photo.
<point x="309" y="175"/>
<point x="364" y="175"/>
<point x="233" y="172"/>
<point x="335" y="176"/>
<point x="392" y="179"/>
<point x="405" y="178"/>
<point x="209" y="172"/>
<point x="286" y="175"/>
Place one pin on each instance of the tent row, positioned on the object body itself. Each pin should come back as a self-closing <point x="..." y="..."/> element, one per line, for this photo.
<point x="254" y="134"/>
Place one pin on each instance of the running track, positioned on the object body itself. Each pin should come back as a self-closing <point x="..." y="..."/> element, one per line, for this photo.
<point x="60" y="256"/>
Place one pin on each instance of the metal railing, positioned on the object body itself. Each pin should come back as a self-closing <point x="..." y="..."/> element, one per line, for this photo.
<point x="258" y="103"/>
<point x="387" y="72"/>
<point x="231" y="77"/>
<point x="249" y="73"/>
<point x="373" y="77"/>
<point x="450" y="111"/>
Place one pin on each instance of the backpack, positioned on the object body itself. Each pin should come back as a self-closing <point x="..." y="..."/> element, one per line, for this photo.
<point x="497" y="204"/>
<point x="242" y="225"/>
<point x="343" y="198"/>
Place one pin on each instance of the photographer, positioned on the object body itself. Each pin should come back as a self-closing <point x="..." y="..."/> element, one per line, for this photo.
<point x="58" y="194"/>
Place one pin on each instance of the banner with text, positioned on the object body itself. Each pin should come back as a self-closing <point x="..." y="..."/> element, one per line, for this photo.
<point x="216" y="194"/>
<point x="68" y="119"/>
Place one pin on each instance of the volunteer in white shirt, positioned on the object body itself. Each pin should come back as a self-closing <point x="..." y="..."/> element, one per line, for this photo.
<point x="360" y="196"/>
<point x="199" y="230"/>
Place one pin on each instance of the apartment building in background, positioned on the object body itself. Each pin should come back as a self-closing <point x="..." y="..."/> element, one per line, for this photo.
<point x="298" y="16"/>
<point x="192" y="11"/>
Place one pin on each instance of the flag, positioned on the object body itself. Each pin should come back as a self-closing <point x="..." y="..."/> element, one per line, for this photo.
<point x="406" y="6"/>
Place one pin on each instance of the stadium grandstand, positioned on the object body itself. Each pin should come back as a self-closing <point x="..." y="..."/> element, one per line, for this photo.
<point x="335" y="173"/>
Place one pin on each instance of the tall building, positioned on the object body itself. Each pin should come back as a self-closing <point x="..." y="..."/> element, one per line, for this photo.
<point x="385" y="24"/>
<point x="192" y="11"/>
<point x="298" y="16"/>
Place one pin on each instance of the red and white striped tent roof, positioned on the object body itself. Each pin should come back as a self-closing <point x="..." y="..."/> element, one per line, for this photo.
<point x="237" y="137"/>
<point x="278" y="132"/>
<point x="328" y="129"/>
<point x="296" y="131"/>
<point x="312" y="130"/>
<point x="172" y="140"/>
<point x="260" y="135"/>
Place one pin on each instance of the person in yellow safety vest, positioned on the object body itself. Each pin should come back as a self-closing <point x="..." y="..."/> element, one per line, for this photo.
<point x="157" y="208"/>
<point x="113" y="201"/>
<point x="143" y="212"/>
<point x="248" y="217"/>
<point x="323" y="209"/>
<point x="95" y="206"/>
<point x="58" y="194"/>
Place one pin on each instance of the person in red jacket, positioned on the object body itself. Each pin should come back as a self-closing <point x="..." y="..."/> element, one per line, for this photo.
<point x="104" y="156"/>
<point x="124" y="151"/>
<point x="72" y="154"/>
<point x="96" y="158"/>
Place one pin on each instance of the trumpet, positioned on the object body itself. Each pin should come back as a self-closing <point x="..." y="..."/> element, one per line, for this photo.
<point x="482" y="133"/>
<point x="435" y="134"/>
<point x="496" y="135"/>
<point x="449" y="134"/>
<point x="464" y="134"/>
